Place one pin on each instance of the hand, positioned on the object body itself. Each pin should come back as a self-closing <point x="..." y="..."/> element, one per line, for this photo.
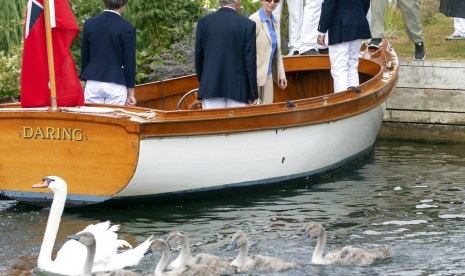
<point x="253" y="102"/>
<point x="131" y="100"/>
<point x="320" y="40"/>
<point x="283" y="83"/>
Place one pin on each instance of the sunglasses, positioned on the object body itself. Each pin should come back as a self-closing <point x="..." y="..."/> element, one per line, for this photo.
<point x="269" y="1"/>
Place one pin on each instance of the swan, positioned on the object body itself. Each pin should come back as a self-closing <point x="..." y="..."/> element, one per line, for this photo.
<point x="88" y="240"/>
<point x="347" y="255"/>
<point x="219" y="264"/>
<point x="71" y="257"/>
<point x="189" y="270"/>
<point x="257" y="262"/>
<point x="184" y="258"/>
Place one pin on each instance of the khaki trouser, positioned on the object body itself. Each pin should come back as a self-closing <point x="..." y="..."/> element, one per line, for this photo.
<point x="265" y="92"/>
<point x="410" y="10"/>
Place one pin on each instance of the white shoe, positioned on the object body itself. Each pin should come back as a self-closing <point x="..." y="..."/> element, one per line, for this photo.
<point x="455" y="36"/>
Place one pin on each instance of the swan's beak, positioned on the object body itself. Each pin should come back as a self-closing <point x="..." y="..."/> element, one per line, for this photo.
<point x="232" y="246"/>
<point x="305" y="236"/>
<point x="44" y="184"/>
<point x="74" y="237"/>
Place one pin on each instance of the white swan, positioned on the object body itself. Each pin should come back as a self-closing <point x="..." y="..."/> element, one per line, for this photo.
<point x="88" y="240"/>
<point x="219" y="264"/>
<point x="189" y="270"/>
<point x="257" y="262"/>
<point x="347" y="255"/>
<point x="71" y="257"/>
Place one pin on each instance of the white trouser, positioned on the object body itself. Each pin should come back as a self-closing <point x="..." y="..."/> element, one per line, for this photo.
<point x="309" y="30"/>
<point x="105" y="92"/>
<point x="459" y="26"/>
<point x="369" y="17"/>
<point x="304" y="16"/>
<point x="220" y="103"/>
<point x="344" y="64"/>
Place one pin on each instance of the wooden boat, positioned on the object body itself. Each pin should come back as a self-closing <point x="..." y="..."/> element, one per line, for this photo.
<point x="166" y="147"/>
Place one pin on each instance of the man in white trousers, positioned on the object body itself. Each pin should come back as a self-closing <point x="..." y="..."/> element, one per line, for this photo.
<point x="303" y="23"/>
<point x="345" y="37"/>
<point x="459" y="29"/>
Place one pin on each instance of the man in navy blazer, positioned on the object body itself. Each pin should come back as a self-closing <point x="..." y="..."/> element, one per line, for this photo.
<point x="108" y="56"/>
<point x="225" y="58"/>
<point x="347" y="25"/>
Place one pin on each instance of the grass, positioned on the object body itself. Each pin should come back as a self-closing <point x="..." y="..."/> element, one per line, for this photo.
<point x="436" y="47"/>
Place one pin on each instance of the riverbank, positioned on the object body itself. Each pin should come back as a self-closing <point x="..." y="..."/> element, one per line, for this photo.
<point x="427" y="104"/>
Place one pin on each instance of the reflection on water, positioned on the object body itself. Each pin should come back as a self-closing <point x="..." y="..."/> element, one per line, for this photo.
<point x="407" y="196"/>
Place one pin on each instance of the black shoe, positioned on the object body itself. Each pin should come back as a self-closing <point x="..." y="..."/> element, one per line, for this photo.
<point x="375" y="43"/>
<point x="419" y="51"/>
<point x="310" y="52"/>
<point x="295" y="53"/>
<point x="324" y="51"/>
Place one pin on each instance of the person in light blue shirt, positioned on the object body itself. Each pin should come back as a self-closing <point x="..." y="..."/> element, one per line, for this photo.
<point x="270" y="65"/>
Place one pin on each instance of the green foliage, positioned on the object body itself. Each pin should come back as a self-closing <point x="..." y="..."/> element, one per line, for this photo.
<point x="429" y="11"/>
<point x="10" y="70"/>
<point x="11" y="24"/>
<point x="82" y="10"/>
<point x="163" y="22"/>
<point x="178" y="58"/>
<point x="393" y="22"/>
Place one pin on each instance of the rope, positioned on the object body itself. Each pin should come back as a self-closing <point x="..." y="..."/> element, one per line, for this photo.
<point x="85" y="109"/>
<point x="106" y="110"/>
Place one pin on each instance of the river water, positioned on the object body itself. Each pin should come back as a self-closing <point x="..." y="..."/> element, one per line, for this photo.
<point x="407" y="196"/>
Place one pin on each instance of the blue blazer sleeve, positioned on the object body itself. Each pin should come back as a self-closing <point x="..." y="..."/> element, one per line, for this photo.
<point x="129" y="57"/>
<point x="85" y="55"/>
<point x="366" y="6"/>
<point x="199" y="55"/>
<point x="328" y="9"/>
<point x="251" y="60"/>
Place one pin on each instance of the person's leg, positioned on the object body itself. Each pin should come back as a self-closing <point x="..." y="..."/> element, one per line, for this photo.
<point x="213" y="103"/>
<point x="234" y="103"/>
<point x="296" y="10"/>
<point x="266" y="91"/>
<point x="377" y="8"/>
<point x="115" y="93"/>
<point x="410" y="10"/>
<point x="339" y="56"/>
<point x="459" y="29"/>
<point x="93" y="92"/>
<point x="459" y="26"/>
<point x="352" y="64"/>
<point x="311" y="18"/>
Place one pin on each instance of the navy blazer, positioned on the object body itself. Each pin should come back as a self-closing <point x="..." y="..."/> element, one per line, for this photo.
<point x="345" y="20"/>
<point x="225" y="56"/>
<point x="108" y="50"/>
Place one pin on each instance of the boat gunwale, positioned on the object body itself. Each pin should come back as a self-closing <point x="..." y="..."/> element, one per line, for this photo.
<point x="372" y="94"/>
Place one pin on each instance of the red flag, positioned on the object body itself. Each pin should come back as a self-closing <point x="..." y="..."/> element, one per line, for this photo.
<point x="35" y="90"/>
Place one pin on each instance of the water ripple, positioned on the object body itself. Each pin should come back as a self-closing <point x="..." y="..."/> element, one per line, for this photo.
<point x="407" y="196"/>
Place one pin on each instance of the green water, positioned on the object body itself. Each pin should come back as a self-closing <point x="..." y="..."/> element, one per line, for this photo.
<point x="407" y="196"/>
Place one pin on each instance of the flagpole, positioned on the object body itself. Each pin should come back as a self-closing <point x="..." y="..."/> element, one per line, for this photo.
<point x="51" y="67"/>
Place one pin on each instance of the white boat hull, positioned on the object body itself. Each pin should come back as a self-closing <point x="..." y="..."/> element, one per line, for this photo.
<point x="207" y="162"/>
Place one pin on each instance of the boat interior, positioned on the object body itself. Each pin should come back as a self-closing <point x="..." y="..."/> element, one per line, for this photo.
<point x="308" y="77"/>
